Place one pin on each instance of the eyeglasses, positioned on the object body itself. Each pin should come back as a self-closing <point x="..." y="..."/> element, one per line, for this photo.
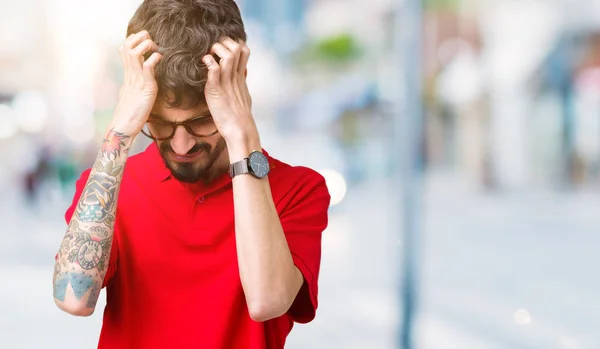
<point x="161" y="130"/>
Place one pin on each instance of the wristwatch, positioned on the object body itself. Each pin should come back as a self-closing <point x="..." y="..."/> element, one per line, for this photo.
<point x="256" y="164"/>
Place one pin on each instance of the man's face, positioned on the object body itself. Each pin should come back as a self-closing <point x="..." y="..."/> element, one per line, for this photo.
<point x="190" y="158"/>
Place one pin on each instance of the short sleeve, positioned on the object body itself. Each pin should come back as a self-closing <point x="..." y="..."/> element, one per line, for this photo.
<point x="114" y="252"/>
<point x="303" y="222"/>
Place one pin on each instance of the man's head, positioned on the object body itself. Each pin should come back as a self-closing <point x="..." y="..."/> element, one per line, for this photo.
<point x="185" y="30"/>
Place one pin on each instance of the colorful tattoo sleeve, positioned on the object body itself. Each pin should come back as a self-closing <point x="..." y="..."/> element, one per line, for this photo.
<point x="84" y="253"/>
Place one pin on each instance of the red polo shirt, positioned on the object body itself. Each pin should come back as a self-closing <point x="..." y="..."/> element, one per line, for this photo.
<point x="173" y="278"/>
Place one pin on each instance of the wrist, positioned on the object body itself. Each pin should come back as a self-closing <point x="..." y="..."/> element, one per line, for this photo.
<point x="240" y="147"/>
<point x="124" y="130"/>
<point x="115" y="140"/>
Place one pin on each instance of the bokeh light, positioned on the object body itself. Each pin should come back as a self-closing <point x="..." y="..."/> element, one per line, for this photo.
<point x="8" y="125"/>
<point x="31" y="112"/>
<point x="336" y="183"/>
<point x="522" y="317"/>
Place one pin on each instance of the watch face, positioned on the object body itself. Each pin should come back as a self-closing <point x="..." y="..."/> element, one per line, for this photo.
<point x="259" y="164"/>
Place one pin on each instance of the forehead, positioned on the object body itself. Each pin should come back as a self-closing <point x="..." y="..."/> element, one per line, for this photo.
<point x="164" y="111"/>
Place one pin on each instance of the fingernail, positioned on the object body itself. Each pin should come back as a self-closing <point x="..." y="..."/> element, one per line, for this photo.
<point x="208" y="62"/>
<point x="161" y="50"/>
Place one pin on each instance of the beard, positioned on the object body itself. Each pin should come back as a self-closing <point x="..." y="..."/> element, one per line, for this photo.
<point x="206" y="168"/>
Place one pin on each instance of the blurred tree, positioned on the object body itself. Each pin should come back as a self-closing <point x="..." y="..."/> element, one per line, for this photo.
<point x="341" y="47"/>
<point x="335" y="49"/>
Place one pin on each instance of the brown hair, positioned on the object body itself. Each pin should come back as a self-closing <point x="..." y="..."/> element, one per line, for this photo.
<point x="185" y="30"/>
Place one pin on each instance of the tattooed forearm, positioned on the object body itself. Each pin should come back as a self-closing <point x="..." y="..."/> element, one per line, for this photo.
<point x="85" y="250"/>
<point x="98" y="199"/>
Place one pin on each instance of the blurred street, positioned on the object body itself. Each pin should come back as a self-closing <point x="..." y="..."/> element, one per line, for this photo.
<point x="500" y="100"/>
<point x="470" y="293"/>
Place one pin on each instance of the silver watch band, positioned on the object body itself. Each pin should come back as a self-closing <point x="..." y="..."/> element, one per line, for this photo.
<point x="238" y="168"/>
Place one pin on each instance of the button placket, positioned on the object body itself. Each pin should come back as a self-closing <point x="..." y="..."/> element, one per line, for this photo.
<point x="198" y="201"/>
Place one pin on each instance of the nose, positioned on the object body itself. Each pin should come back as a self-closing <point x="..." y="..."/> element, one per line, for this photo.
<point x="182" y="141"/>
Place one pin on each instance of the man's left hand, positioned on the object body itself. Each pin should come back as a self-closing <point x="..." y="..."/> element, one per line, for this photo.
<point x="226" y="91"/>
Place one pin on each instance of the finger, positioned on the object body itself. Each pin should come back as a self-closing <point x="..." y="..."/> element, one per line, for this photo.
<point x="149" y="66"/>
<point x="244" y="57"/>
<point x="137" y="54"/>
<point x="226" y="62"/>
<point x="145" y="47"/>
<point x="124" y="51"/>
<point x="135" y="39"/>
<point x="160" y="50"/>
<point x="235" y="49"/>
<point x="214" y="71"/>
<point x="125" y="60"/>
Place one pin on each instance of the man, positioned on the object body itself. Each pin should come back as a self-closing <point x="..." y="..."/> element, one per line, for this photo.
<point x="202" y="240"/>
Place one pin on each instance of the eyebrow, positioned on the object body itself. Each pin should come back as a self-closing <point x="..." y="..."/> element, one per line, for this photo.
<point x="156" y="116"/>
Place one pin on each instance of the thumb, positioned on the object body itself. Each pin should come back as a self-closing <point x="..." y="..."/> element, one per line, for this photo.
<point x="212" y="82"/>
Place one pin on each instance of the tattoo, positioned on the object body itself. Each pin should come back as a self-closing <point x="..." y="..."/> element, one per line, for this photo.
<point x="113" y="144"/>
<point x="84" y="253"/>
<point x="99" y="231"/>
<point x="87" y="252"/>
<point x="81" y="249"/>
<point x="93" y="298"/>
<point x="98" y="198"/>
<point x="81" y="283"/>
<point x="60" y="286"/>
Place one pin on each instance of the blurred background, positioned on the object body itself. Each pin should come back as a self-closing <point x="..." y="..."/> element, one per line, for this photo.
<point x="496" y="222"/>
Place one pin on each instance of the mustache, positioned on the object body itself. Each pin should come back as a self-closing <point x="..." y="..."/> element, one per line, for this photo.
<point x="166" y="147"/>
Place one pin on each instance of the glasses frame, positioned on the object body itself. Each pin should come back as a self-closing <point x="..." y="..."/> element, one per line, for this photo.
<point x="174" y="126"/>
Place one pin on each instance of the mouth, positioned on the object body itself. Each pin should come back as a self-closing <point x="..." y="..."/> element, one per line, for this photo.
<point x="187" y="157"/>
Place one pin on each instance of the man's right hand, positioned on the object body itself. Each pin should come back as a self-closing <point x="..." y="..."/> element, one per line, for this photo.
<point x="139" y="90"/>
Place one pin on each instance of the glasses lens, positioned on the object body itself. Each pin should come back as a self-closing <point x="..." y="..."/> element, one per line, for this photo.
<point x="203" y="126"/>
<point x="158" y="130"/>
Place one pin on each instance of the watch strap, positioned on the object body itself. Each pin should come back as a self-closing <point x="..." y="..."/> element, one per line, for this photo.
<point x="238" y="168"/>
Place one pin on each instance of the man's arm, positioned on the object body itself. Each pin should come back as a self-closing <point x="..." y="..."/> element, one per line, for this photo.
<point x="269" y="277"/>
<point x="84" y="253"/>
